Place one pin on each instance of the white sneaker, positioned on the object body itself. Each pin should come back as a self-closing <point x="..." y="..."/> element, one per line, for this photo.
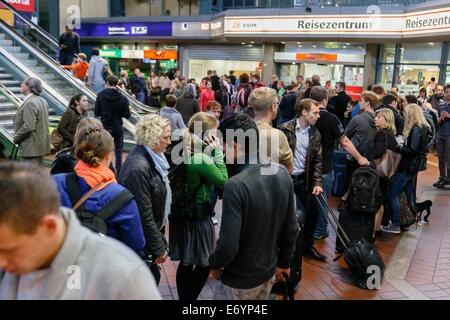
<point x="391" y="229"/>
<point x="214" y="221"/>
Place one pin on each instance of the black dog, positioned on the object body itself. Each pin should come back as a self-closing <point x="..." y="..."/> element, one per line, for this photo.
<point x="421" y="207"/>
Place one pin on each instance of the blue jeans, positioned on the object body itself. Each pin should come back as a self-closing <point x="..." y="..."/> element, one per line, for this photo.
<point x="400" y="182"/>
<point x="98" y="87"/>
<point x="322" y="222"/>
<point x="140" y="97"/>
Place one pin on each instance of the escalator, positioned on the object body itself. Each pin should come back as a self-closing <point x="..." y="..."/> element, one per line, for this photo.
<point x="26" y="50"/>
<point x="9" y="103"/>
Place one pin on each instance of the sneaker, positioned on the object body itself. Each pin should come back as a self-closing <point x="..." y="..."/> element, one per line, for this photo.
<point x="321" y="236"/>
<point x="214" y="221"/>
<point x="438" y="183"/>
<point x="391" y="228"/>
<point x="442" y="184"/>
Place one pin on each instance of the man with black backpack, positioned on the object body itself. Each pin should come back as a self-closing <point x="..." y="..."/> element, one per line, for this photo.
<point x="361" y="130"/>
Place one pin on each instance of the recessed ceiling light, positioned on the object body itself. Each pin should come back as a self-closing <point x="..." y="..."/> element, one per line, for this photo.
<point x="347" y="43"/>
<point x="252" y="42"/>
<point x="431" y="43"/>
<point x="243" y="43"/>
<point x="337" y="5"/>
<point x="283" y="42"/>
<point x="293" y="62"/>
<point x="360" y="48"/>
<point x="345" y="47"/>
<point x="298" y="42"/>
<point x="300" y="46"/>
<point x="314" y="46"/>
<point x="322" y="6"/>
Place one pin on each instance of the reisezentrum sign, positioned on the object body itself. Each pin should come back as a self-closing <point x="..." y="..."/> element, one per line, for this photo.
<point x="387" y="25"/>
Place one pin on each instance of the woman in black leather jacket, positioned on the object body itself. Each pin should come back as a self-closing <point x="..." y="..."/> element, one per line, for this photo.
<point x="145" y="175"/>
<point x="413" y="160"/>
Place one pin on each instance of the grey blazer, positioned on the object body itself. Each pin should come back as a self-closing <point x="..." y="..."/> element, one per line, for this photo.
<point x="31" y="128"/>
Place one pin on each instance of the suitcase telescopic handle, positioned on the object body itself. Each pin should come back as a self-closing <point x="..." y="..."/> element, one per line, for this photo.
<point x="334" y="222"/>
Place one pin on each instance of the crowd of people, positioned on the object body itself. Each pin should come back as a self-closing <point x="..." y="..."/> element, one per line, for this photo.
<point x="161" y="201"/>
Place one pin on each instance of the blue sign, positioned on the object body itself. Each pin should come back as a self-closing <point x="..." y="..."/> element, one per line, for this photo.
<point x="126" y="29"/>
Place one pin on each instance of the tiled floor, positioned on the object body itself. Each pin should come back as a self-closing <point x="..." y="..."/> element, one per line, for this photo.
<point x="427" y="274"/>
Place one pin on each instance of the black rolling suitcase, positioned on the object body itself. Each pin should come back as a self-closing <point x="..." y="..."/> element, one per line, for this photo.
<point x="296" y="262"/>
<point x="356" y="226"/>
<point x="361" y="256"/>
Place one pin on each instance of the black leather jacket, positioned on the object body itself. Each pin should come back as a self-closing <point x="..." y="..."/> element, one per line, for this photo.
<point x="314" y="160"/>
<point x="141" y="178"/>
<point x="414" y="151"/>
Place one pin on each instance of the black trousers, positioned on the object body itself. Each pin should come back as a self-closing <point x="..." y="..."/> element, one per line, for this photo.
<point x="306" y="202"/>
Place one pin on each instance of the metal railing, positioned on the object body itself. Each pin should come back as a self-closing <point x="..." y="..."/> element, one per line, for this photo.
<point x="47" y="45"/>
<point x="9" y="148"/>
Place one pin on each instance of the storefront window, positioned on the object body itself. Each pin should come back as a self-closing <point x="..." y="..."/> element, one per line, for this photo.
<point x="288" y="73"/>
<point x="354" y="76"/>
<point x="387" y="75"/>
<point x="199" y="68"/>
<point x="333" y="72"/>
<point x="421" y="53"/>
<point x="417" y="75"/>
<point x="388" y="53"/>
<point x="447" y="76"/>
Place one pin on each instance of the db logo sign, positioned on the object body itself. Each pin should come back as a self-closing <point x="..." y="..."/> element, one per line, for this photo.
<point x="139" y="30"/>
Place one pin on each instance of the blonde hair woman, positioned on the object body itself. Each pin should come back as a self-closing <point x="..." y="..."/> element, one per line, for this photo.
<point x="416" y="134"/>
<point x="145" y="174"/>
<point x="385" y="137"/>
<point x="192" y="234"/>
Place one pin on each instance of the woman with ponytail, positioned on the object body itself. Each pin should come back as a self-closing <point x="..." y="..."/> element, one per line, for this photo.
<point x="93" y="171"/>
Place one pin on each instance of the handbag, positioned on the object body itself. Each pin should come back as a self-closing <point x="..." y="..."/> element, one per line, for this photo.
<point x="388" y="164"/>
<point x="56" y="139"/>
<point x="407" y="216"/>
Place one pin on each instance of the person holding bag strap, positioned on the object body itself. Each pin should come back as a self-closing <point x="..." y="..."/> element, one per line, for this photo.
<point x="385" y="155"/>
<point x="105" y="202"/>
<point x="386" y="158"/>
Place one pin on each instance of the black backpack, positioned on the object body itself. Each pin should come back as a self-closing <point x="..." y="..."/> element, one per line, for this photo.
<point x="95" y="221"/>
<point x="365" y="196"/>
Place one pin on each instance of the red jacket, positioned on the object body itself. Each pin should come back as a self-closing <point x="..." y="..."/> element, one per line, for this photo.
<point x="206" y="96"/>
<point x="80" y="68"/>
<point x="258" y="85"/>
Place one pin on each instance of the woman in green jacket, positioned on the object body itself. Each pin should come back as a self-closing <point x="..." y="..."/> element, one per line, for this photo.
<point x="192" y="234"/>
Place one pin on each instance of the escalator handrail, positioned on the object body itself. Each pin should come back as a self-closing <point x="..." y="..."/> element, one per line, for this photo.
<point x="11" y="96"/>
<point x="17" y="103"/>
<point x="68" y="76"/>
<point x="41" y="31"/>
<point x="50" y="62"/>
<point x="30" y="73"/>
